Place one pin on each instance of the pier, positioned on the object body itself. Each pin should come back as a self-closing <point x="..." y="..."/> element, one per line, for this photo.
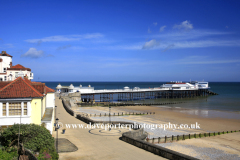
<point x="141" y="94"/>
<point x="169" y="90"/>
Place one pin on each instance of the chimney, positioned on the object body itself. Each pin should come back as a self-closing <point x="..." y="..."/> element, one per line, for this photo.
<point x="10" y="64"/>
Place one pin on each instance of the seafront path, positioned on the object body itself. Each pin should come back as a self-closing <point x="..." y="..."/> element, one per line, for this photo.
<point x="95" y="144"/>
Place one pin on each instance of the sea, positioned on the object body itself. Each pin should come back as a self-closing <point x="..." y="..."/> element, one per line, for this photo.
<point x="227" y="101"/>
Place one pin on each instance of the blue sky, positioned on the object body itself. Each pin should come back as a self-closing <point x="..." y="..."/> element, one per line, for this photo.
<point x="118" y="40"/>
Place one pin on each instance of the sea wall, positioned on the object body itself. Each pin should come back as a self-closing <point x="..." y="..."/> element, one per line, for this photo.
<point x="67" y="106"/>
<point x="74" y="98"/>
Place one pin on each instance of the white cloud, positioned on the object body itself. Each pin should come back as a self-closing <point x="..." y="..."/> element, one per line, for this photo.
<point x="162" y="28"/>
<point x="206" y="43"/>
<point x="151" y="44"/>
<point x="33" y="53"/>
<point x="63" y="47"/>
<point x="204" y="60"/>
<point x="9" y="45"/>
<point x="61" y="38"/>
<point x="155" y="23"/>
<point x="149" y="31"/>
<point x="168" y="47"/>
<point x="124" y="47"/>
<point x="186" y="25"/>
<point x="154" y="44"/>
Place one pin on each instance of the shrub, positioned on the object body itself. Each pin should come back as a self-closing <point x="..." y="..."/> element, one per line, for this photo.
<point x="32" y="136"/>
<point x="10" y="155"/>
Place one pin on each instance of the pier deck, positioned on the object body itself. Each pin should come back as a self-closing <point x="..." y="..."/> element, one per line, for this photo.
<point x="107" y="95"/>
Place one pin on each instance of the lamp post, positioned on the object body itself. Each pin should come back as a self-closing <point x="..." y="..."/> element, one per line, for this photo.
<point x="57" y="134"/>
<point x="55" y="114"/>
<point x="19" y="131"/>
<point x="109" y="118"/>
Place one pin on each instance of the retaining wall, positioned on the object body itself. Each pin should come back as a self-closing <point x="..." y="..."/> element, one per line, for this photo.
<point x="135" y="138"/>
<point x="67" y="107"/>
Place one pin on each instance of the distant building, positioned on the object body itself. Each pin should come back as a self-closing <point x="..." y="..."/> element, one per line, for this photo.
<point x="8" y="72"/>
<point x="23" y="101"/>
<point x="73" y="89"/>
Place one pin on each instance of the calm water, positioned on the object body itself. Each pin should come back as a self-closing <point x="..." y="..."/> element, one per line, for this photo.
<point x="227" y="100"/>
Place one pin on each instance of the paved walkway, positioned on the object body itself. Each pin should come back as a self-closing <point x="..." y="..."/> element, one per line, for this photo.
<point x="97" y="143"/>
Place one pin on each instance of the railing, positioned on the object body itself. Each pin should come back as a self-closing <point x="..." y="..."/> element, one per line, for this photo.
<point x="173" y="138"/>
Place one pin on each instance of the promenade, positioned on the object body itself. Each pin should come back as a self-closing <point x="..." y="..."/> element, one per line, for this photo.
<point x="96" y="144"/>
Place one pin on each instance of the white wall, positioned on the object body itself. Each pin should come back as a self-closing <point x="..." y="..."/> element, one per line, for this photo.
<point x="5" y="63"/>
<point x="10" y="120"/>
<point x="50" y="100"/>
<point x="84" y="89"/>
<point x="5" y="121"/>
<point x="13" y="72"/>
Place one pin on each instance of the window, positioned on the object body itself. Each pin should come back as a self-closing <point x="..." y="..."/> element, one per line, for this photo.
<point x="15" y="109"/>
<point x="1" y="79"/>
<point x="4" y="69"/>
<point x="25" y="108"/>
<point x="5" y="78"/>
<point x="4" y="109"/>
<point x="16" y="74"/>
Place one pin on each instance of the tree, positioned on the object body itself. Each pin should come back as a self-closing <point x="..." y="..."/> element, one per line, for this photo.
<point x="32" y="137"/>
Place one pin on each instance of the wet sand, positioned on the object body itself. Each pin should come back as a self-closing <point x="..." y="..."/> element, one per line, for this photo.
<point x="174" y="115"/>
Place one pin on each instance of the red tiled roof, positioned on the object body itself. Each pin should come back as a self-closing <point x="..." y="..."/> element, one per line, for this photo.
<point x="23" y="88"/>
<point x="4" y="53"/>
<point x="4" y="83"/>
<point x="27" y="80"/>
<point x="49" y="90"/>
<point x="18" y="67"/>
<point x="19" y="88"/>
<point x="39" y="87"/>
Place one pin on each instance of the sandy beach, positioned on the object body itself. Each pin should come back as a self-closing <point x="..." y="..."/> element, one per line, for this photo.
<point x="173" y="115"/>
<point x="219" y="147"/>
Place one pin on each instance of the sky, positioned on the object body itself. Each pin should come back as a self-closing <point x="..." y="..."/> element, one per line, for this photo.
<point x="124" y="40"/>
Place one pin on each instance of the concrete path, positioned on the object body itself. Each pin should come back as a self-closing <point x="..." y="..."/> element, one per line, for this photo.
<point x="96" y="143"/>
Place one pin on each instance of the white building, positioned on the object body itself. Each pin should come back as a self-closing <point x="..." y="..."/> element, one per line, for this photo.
<point x="186" y="86"/>
<point x="72" y="89"/>
<point x="8" y="72"/>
